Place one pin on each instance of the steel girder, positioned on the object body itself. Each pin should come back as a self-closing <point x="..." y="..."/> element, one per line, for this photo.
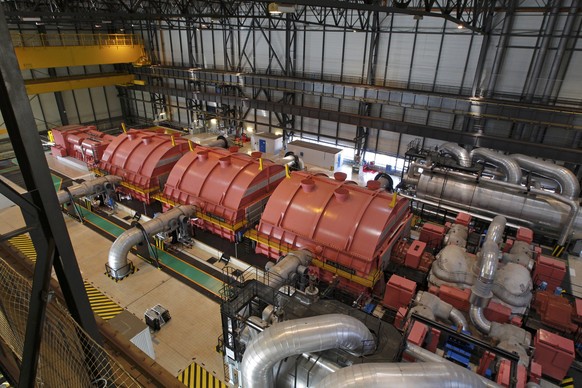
<point x="472" y="14"/>
<point x="445" y="134"/>
<point x="477" y="108"/>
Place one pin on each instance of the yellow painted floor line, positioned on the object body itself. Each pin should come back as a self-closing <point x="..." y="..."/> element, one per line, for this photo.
<point x="101" y="305"/>
<point x="24" y="244"/>
<point x="196" y="376"/>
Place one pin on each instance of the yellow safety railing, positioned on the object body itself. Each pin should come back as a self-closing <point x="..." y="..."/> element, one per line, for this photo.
<point x="55" y="40"/>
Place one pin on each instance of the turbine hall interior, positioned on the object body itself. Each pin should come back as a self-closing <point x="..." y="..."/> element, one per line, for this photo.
<point x="255" y="194"/>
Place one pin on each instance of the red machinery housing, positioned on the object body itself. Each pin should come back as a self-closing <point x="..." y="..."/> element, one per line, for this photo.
<point x="230" y="189"/>
<point x="143" y="160"/>
<point x="351" y="229"/>
<point x="81" y="142"/>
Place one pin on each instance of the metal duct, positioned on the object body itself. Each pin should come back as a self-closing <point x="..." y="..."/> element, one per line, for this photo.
<point x="569" y="185"/>
<point x="421" y="354"/>
<point x="541" y="211"/>
<point x="165" y="222"/>
<point x="418" y="375"/>
<point x="298" y="336"/>
<point x="95" y="186"/>
<point x="441" y="309"/>
<point x="509" y="166"/>
<point x="458" y="153"/>
<point x="280" y="272"/>
<point x="220" y="142"/>
<point x="481" y="292"/>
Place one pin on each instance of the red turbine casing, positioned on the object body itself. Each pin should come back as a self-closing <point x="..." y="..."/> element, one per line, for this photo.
<point x="143" y="160"/>
<point x="82" y="142"/>
<point x="227" y="188"/>
<point x="351" y="229"/>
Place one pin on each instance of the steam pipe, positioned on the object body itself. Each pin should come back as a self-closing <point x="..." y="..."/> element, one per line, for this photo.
<point x="423" y="375"/>
<point x="441" y="309"/>
<point x="421" y="354"/>
<point x="467" y="195"/>
<point x="313" y="334"/>
<point x="459" y="153"/>
<point x="510" y="167"/>
<point x="481" y="292"/>
<point x="280" y="272"/>
<point x="570" y="187"/>
<point x="91" y="187"/>
<point x="164" y="223"/>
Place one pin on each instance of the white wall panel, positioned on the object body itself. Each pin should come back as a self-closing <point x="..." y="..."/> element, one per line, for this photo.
<point x="426" y="54"/>
<point x="313" y="52"/>
<point x="354" y="57"/>
<point x="400" y="58"/>
<point x="452" y="64"/>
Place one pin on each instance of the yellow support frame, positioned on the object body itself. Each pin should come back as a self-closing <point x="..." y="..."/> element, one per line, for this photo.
<point x="50" y="85"/>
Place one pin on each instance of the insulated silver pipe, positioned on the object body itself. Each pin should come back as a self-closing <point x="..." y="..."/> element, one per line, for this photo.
<point x="543" y="212"/>
<point x="94" y="186"/>
<point x="418" y="375"/>
<point x="509" y="166"/>
<point x="421" y="354"/>
<point x="569" y="185"/>
<point x="481" y="291"/>
<point x="314" y="334"/>
<point x="460" y="154"/>
<point x="280" y="272"/>
<point x="165" y="222"/>
<point x="441" y="309"/>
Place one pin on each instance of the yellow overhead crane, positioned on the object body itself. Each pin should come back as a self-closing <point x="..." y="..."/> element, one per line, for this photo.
<point x="42" y="51"/>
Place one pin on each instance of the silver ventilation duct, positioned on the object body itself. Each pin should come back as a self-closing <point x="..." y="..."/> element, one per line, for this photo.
<point x="165" y="222"/>
<point x="280" y="272"/>
<point x="569" y="185"/>
<point x="314" y="334"/>
<point x="481" y="292"/>
<point x="510" y="167"/>
<point x="95" y="186"/>
<point x="417" y="375"/>
<point x="458" y="153"/>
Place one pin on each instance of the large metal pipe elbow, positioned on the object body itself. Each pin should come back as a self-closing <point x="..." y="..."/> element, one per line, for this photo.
<point x="165" y="222"/>
<point x="510" y="167"/>
<point x="94" y="186"/>
<point x="441" y="309"/>
<point x="313" y="334"/>
<point x="281" y="271"/>
<point x="425" y="374"/>
<point x="477" y="316"/>
<point x="460" y="154"/>
<point x="569" y="185"/>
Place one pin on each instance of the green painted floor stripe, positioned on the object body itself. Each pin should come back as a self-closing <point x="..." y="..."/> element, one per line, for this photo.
<point x="199" y="277"/>
<point x="57" y="182"/>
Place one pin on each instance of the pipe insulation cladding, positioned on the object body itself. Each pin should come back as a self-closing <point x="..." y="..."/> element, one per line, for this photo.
<point x="289" y="338"/>
<point x="95" y="186"/>
<point x="165" y="222"/>
<point x="417" y="375"/>
<point x="544" y="212"/>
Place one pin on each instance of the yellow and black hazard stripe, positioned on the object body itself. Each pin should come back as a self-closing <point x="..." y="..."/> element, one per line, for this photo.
<point x="196" y="376"/>
<point x="101" y="305"/>
<point x="568" y="382"/>
<point x="24" y="244"/>
<point x="558" y="250"/>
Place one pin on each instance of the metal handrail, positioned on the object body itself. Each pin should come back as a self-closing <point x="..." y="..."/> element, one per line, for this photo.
<point x="60" y="40"/>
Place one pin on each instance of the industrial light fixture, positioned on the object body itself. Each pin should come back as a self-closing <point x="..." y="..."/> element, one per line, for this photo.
<point x="249" y="129"/>
<point x="30" y="19"/>
<point x="417" y="17"/>
<point x="279" y="8"/>
<point x="460" y="26"/>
